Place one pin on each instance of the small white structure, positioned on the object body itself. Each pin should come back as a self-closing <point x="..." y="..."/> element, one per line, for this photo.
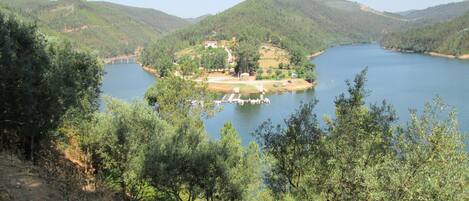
<point x="244" y="76"/>
<point x="294" y="75"/>
<point x="211" y="43"/>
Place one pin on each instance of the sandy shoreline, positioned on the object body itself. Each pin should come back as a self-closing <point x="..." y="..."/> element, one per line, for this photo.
<point x="464" y="56"/>
<point x="436" y="54"/>
<point x="248" y="87"/>
<point x="151" y="71"/>
<point x="314" y="55"/>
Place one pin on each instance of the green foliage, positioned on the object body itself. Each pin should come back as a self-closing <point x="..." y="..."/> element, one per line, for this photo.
<point x="188" y="166"/>
<point x="281" y="66"/>
<point x="307" y="71"/>
<point x="119" y="138"/>
<point x="293" y="149"/>
<point x="362" y="156"/>
<point x="176" y="98"/>
<point x="431" y="144"/>
<point x="107" y="28"/>
<point x="188" y="66"/>
<point x="145" y="158"/>
<point x="447" y="38"/>
<point x="297" y="58"/>
<point x="40" y="82"/>
<point x="440" y="13"/>
<point x="160" y="57"/>
<point x="259" y="73"/>
<point x="247" y="57"/>
<point x="278" y="72"/>
<point x="214" y="58"/>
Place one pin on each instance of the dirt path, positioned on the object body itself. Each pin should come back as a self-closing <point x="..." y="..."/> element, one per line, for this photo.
<point x="21" y="181"/>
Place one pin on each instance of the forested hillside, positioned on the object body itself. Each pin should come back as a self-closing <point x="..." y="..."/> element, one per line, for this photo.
<point x="450" y="38"/>
<point x="108" y="28"/>
<point x="437" y="14"/>
<point x="300" y="26"/>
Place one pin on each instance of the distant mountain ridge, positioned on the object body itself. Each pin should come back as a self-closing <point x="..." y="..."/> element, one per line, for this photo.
<point x="108" y="28"/>
<point x="439" y="13"/>
<point x="305" y="25"/>
<point x="448" y="38"/>
<point x="197" y="19"/>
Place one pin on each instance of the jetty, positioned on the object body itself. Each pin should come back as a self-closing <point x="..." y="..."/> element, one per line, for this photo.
<point x="236" y="98"/>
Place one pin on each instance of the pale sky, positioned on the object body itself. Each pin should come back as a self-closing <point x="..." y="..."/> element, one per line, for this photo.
<point x="195" y="8"/>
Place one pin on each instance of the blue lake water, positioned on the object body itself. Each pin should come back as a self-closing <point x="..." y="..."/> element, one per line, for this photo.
<point x="406" y="81"/>
<point x="126" y="81"/>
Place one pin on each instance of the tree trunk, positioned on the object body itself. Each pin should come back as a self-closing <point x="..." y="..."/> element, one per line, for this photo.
<point x="123" y="191"/>
<point x="31" y="151"/>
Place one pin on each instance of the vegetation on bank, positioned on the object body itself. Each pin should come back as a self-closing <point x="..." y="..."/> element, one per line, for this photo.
<point x="231" y="60"/>
<point x="158" y="149"/>
<point x="448" y="38"/>
<point x="107" y="28"/>
<point x="211" y="59"/>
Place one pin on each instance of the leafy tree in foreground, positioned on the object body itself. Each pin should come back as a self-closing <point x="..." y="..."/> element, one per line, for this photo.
<point x="40" y="82"/>
<point x="176" y="98"/>
<point x="432" y="163"/>
<point x="358" y="143"/>
<point x="119" y="138"/>
<point x="362" y="156"/>
<point x="188" y="167"/>
<point x="293" y="148"/>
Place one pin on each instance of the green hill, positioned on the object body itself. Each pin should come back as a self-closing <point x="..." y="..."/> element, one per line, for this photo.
<point x="440" y="13"/>
<point x="451" y="38"/>
<point x="108" y="28"/>
<point x="306" y="26"/>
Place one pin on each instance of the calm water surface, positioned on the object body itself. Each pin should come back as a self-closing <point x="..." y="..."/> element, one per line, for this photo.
<point x="126" y="81"/>
<point x="405" y="80"/>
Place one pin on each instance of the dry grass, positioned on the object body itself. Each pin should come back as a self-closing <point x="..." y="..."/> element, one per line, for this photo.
<point x="272" y="56"/>
<point x="190" y="51"/>
<point x="271" y="87"/>
<point x="59" y="179"/>
<point x="229" y="88"/>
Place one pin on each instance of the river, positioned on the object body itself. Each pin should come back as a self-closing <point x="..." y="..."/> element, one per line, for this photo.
<point x="406" y="81"/>
<point x="126" y="81"/>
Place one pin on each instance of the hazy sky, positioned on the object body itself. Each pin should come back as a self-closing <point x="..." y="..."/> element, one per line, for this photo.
<point x="195" y="8"/>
